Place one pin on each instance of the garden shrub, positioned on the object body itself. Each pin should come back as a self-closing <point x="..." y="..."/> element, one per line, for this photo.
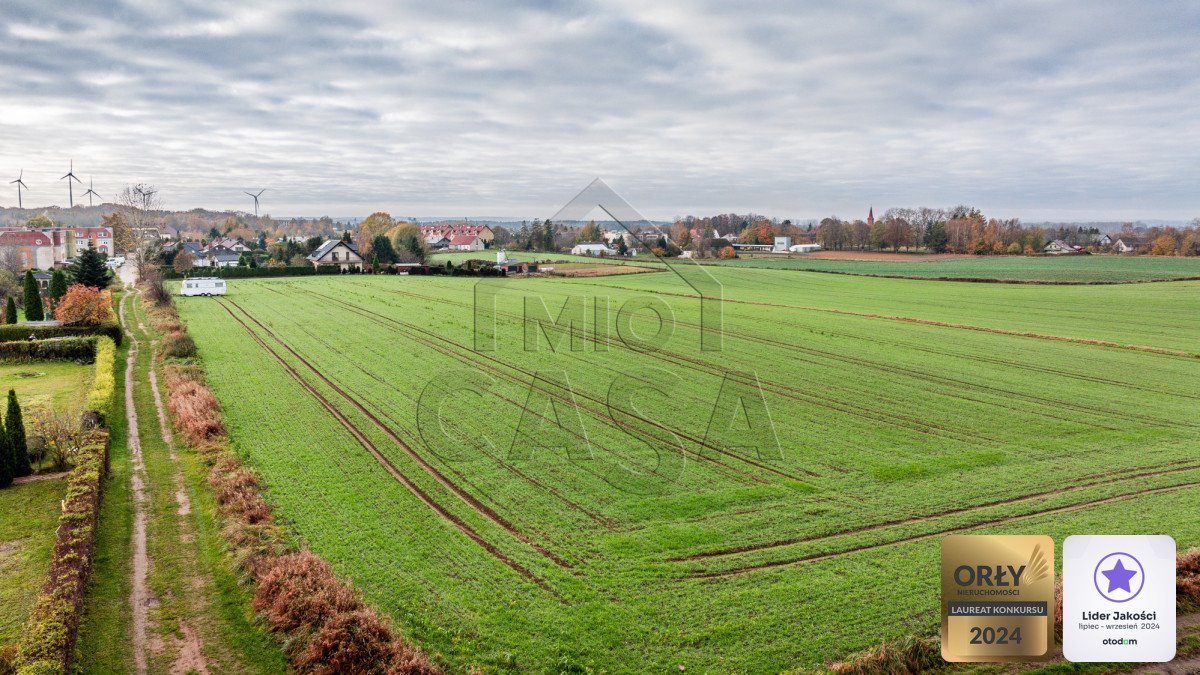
<point x="16" y="332"/>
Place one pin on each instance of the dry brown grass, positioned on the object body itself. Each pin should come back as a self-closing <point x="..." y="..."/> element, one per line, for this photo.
<point x="908" y="655"/>
<point x="193" y="406"/>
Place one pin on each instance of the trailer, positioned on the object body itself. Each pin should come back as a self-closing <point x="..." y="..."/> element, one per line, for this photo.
<point x="203" y="286"/>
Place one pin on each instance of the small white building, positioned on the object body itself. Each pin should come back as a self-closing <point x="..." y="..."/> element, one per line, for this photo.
<point x="1060" y="247"/>
<point x="336" y="252"/>
<point x="593" y="249"/>
<point x="783" y="243"/>
<point x="804" y="248"/>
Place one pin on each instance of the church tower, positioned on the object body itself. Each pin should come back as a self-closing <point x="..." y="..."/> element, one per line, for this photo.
<point x="871" y="216"/>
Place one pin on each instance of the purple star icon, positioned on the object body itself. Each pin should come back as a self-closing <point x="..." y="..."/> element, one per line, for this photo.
<point x="1118" y="577"/>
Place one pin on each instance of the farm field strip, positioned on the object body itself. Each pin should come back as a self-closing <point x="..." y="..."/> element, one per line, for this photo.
<point x="498" y="367"/>
<point x="1113" y="481"/>
<point x="391" y="468"/>
<point x="757" y="567"/>
<point x="1043" y="406"/>
<point x="717" y="571"/>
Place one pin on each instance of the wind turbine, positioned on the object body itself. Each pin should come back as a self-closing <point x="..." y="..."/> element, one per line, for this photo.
<point x="146" y="195"/>
<point x="20" y="184"/>
<point x="255" y="198"/>
<point x="91" y="193"/>
<point x="70" y="186"/>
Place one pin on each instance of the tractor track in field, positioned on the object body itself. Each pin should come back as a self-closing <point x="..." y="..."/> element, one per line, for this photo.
<point x="920" y="519"/>
<point x="472" y="501"/>
<point x="779" y="389"/>
<point x="496" y="366"/>
<point x="964" y="384"/>
<point x="815" y="557"/>
<point x="600" y="519"/>
<point x="399" y="476"/>
<point x="1149" y="349"/>
<point x="741" y="476"/>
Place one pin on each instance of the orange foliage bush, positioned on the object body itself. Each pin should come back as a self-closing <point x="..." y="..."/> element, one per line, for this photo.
<point x="359" y="642"/>
<point x="195" y="408"/>
<point x="1187" y="577"/>
<point x="299" y="590"/>
<point x="84" y="306"/>
<point x="729" y="252"/>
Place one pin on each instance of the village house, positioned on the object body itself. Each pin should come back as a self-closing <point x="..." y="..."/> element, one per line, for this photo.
<point x="1060" y="247"/>
<point x="227" y="243"/>
<point x="35" y="249"/>
<point x="1129" y="244"/>
<point x="466" y="242"/>
<point x="451" y="230"/>
<point x="337" y="252"/>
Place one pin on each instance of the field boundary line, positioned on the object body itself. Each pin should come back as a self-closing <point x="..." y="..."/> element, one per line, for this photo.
<point x="412" y="487"/>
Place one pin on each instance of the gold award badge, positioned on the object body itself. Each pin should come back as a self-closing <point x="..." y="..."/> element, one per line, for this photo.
<point x="997" y="597"/>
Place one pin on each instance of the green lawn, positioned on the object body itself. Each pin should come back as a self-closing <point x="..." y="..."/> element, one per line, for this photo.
<point x="27" y="526"/>
<point x="622" y="504"/>
<point x="1075" y="269"/>
<point x="59" y="384"/>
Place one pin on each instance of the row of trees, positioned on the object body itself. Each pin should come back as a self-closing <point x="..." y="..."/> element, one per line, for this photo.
<point x="66" y="299"/>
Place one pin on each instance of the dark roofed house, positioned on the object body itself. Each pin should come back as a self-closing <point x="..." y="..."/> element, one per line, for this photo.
<point x="1060" y="247"/>
<point x="337" y="252"/>
<point x="1130" y="243"/>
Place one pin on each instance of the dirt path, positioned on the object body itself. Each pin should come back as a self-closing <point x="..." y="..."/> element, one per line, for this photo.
<point x="140" y="594"/>
<point x="39" y="476"/>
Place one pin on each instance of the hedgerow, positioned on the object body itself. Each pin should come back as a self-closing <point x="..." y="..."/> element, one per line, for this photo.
<point x="102" y="395"/>
<point x="49" y="638"/>
<point x="64" y="349"/>
<point x="16" y="332"/>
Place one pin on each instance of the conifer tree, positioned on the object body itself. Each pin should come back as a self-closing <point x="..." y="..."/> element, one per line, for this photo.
<point x="10" y="311"/>
<point x="6" y="460"/>
<point x="58" y="287"/>
<point x="33" y="298"/>
<point x="14" y="427"/>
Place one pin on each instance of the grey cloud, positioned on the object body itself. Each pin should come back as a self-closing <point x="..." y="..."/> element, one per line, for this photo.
<point x="1027" y="108"/>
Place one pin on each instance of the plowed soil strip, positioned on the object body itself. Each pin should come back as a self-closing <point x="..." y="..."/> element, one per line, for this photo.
<point x="930" y="535"/>
<point x="391" y="468"/>
<point x="921" y="519"/>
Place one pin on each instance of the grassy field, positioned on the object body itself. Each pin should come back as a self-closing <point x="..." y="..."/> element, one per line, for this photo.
<point x="533" y="256"/>
<point x="59" y="384"/>
<point x="1075" y="269"/>
<point x="30" y="519"/>
<point x="631" y="504"/>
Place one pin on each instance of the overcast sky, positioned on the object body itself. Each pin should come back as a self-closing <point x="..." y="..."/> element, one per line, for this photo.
<point x="1085" y="110"/>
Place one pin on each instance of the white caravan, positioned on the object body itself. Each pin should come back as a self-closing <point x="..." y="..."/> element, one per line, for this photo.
<point x="203" y="286"/>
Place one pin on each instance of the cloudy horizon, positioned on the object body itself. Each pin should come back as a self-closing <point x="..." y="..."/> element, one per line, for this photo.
<point x="1044" y="111"/>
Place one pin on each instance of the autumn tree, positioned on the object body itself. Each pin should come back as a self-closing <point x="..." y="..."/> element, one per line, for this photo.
<point x="589" y="232"/>
<point x="84" y="306"/>
<point x="1163" y="244"/>
<point x="118" y="222"/>
<point x="184" y="261"/>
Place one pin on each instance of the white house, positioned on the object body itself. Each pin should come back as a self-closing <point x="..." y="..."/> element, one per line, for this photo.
<point x="336" y="252"/>
<point x="1129" y="244"/>
<point x="783" y="243"/>
<point x="466" y="242"/>
<point x="1060" y="247"/>
<point x="593" y="249"/>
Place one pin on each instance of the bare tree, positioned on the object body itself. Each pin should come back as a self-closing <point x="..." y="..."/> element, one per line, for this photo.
<point x="142" y="207"/>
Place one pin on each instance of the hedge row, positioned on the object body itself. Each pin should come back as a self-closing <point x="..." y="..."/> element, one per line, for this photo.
<point x="56" y="349"/>
<point x="249" y="272"/>
<point x="102" y="396"/>
<point x="13" y="332"/>
<point x="49" y="639"/>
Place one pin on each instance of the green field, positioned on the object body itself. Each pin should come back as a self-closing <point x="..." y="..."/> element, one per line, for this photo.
<point x="533" y="256"/>
<point x="622" y="505"/>
<point x="30" y="519"/>
<point x="1071" y="269"/>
